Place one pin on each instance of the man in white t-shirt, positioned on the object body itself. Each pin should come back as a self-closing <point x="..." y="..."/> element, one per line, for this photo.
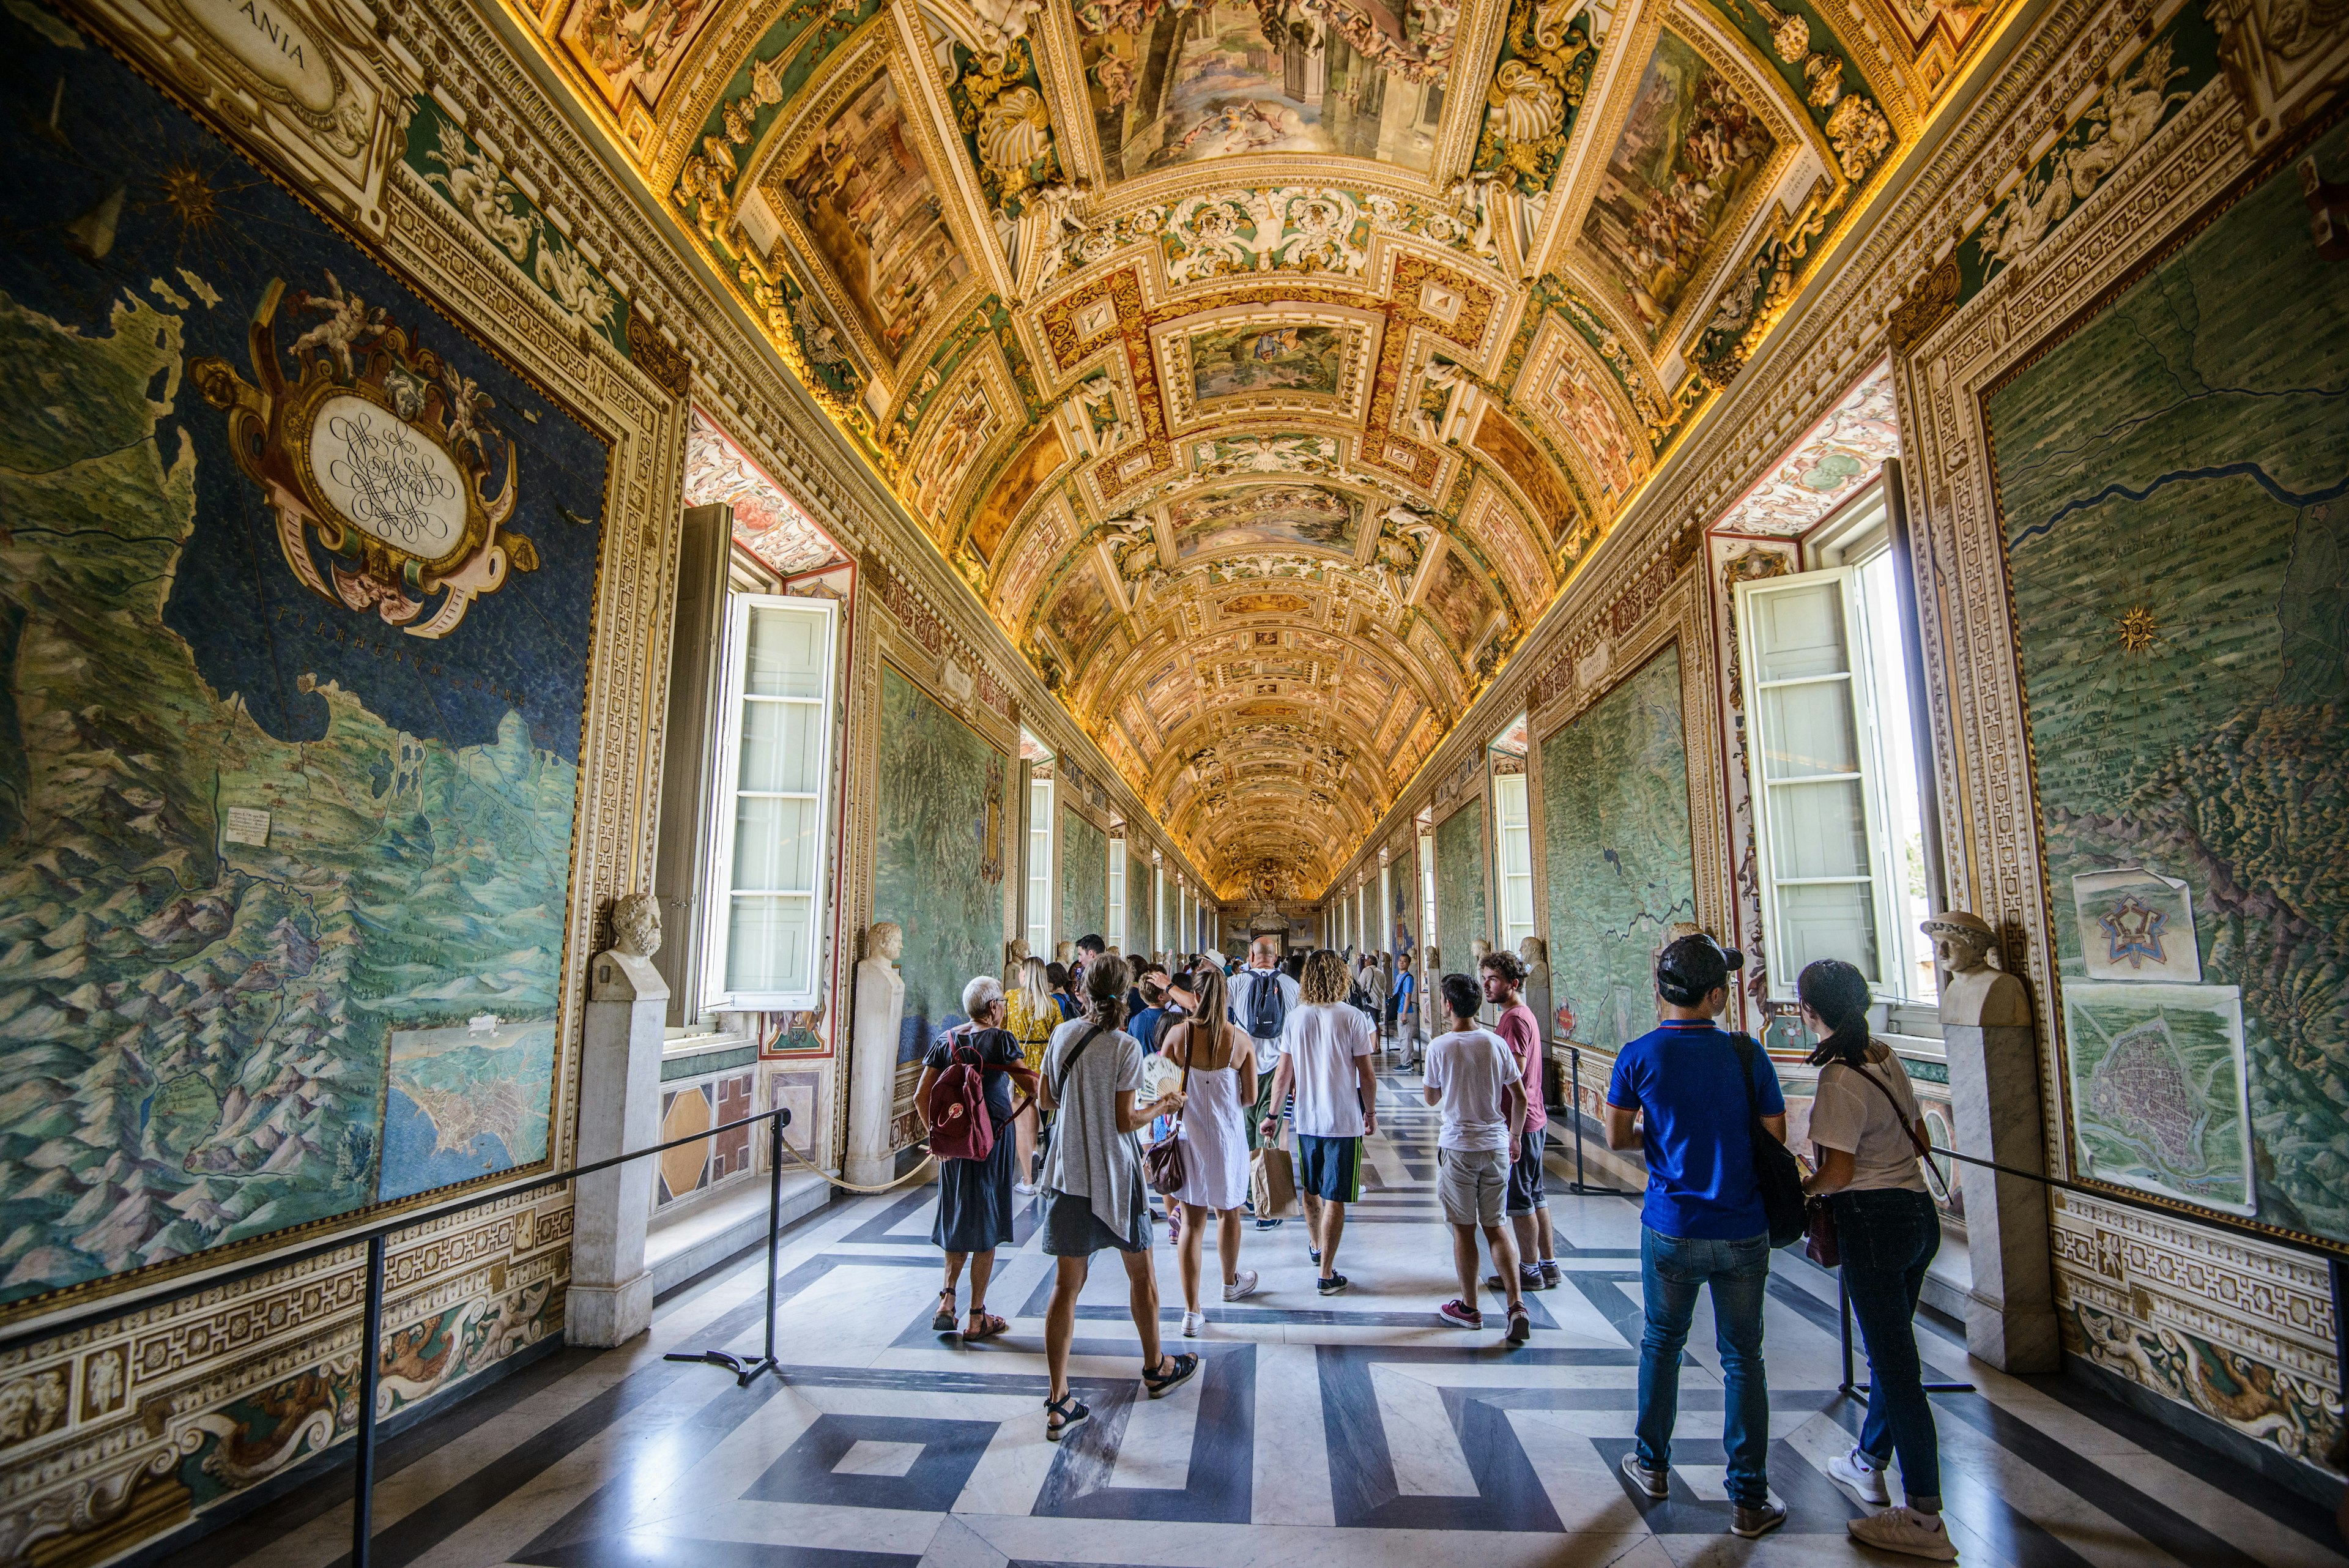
<point x="1474" y="1079"/>
<point x="1265" y="1015"/>
<point x="1328" y="1059"/>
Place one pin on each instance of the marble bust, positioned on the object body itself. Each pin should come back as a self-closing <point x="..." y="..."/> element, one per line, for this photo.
<point x="624" y="971"/>
<point x="1974" y="992"/>
<point x="635" y="925"/>
<point x="885" y="943"/>
<point x="1536" y="952"/>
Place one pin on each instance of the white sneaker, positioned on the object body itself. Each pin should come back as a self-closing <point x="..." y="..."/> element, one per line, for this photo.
<point x="1854" y="1470"/>
<point x="1243" y="1285"/>
<point x="1904" y="1530"/>
<point x="1193" y="1322"/>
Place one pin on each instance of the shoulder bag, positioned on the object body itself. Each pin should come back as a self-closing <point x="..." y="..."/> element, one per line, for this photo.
<point x="1162" y="1162"/>
<point x="1776" y="1169"/>
<point x="1819" y="1243"/>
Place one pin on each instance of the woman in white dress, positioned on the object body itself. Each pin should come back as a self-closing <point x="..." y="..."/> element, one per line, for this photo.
<point x="1220" y="1060"/>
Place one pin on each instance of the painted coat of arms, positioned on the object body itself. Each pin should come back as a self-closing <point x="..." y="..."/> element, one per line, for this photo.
<point x="378" y="448"/>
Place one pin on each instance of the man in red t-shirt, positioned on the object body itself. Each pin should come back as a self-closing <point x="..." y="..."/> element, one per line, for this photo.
<point x="1504" y="976"/>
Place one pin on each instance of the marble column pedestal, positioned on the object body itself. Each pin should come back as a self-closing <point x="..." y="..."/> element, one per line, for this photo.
<point x="611" y="1297"/>
<point x="1994" y="1094"/>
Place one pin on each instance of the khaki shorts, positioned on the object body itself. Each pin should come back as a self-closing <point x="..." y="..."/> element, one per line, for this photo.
<point x="1472" y="1182"/>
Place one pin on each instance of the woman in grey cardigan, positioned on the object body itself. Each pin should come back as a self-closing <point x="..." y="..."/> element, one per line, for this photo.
<point x="1092" y="1183"/>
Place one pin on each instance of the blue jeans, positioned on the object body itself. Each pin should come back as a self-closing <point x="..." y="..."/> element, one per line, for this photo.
<point x="1673" y="1269"/>
<point x="1886" y="1237"/>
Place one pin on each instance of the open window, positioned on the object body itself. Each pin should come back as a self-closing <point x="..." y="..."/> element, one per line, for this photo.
<point x="1115" y="935"/>
<point x="1839" y="829"/>
<point x="1039" y="868"/>
<point x="769" y="804"/>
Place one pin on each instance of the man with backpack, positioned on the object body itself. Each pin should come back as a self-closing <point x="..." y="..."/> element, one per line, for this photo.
<point x="1704" y="1096"/>
<point x="1262" y="995"/>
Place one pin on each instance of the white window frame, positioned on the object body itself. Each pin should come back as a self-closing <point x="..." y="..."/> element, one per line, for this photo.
<point x="1858" y="677"/>
<point x="1385" y="941"/>
<point x="1157" y="911"/>
<point x="724" y="790"/>
<point x="1513" y="843"/>
<point x="1426" y="890"/>
<point x="1115" y="935"/>
<point x="1039" y="906"/>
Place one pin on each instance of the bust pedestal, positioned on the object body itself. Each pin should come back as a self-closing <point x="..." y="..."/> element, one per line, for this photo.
<point x="873" y="1087"/>
<point x="1994" y="1055"/>
<point x="611" y="1299"/>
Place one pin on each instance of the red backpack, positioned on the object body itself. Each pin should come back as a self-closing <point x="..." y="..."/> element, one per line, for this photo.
<point x="960" y="1127"/>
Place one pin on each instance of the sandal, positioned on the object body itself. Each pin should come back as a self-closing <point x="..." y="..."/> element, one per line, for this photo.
<point x="1160" y="1383"/>
<point x="985" y="1324"/>
<point x="943" y="1320"/>
<point x="1070" y="1409"/>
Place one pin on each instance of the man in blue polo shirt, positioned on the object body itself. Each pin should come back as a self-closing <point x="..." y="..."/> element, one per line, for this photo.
<point x="1703" y="1223"/>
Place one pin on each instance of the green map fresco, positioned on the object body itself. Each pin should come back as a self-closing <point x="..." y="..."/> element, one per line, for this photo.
<point x="938" y="862"/>
<point x="2176" y="475"/>
<point x="1615" y="832"/>
<point x="1084" y="878"/>
<point x="198" y="1034"/>
<point x="2158" y="1077"/>
<point x="1459" y="888"/>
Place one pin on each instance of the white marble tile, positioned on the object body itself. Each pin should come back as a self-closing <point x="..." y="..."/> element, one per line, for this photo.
<point x="1155" y="1450"/>
<point x="867" y="1458"/>
<point x="1420" y="1443"/>
<point x="1290" y="1484"/>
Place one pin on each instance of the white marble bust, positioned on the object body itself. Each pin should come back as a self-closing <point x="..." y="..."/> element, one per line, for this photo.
<point x="1974" y="992"/>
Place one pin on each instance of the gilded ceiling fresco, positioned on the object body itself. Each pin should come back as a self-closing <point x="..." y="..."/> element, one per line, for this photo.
<point x="1264" y="368"/>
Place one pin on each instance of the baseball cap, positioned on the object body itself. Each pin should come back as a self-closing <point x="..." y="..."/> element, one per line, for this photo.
<point x="1690" y="966"/>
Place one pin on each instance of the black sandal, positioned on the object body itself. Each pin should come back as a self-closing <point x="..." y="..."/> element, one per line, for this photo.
<point x="1070" y="1409"/>
<point x="1160" y="1383"/>
<point x="943" y="1320"/>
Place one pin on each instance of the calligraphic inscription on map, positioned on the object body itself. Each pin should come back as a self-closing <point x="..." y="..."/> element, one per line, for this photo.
<point x="2161" y="1098"/>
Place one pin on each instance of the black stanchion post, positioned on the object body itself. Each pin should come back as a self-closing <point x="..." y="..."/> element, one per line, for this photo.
<point x="748" y="1369"/>
<point x="363" y="1443"/>
<point x="1578" y="1187"/>
<point x="1859" y="1390"/>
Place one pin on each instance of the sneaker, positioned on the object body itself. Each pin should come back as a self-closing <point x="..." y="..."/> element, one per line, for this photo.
<point x="1858" y="1472"/>
<point x="1551" y="1277"/>
<point x="1193" y="1322"/>
<point x="1529" y="1277"/>
<point x="1314" y="1253"/>
<point x="1752" y="1523"/>
<point x="1025" y="1189"/>
<point x="1243" y="1285"/>
<point x="1269" y="1225"/>
<point x="1331" y="1285"/>
<point x="1906" y="1530"/>
<point x="1521" y="1324"/>
<point x="1460" y="1314"/>
<point x="1652" y="1484"/>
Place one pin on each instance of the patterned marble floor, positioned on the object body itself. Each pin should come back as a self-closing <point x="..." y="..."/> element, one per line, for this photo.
<point x="1354" y="1431"/>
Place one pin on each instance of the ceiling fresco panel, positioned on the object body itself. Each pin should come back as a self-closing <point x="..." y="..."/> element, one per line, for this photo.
<point x="1173" y="87"/>
<point x="1690" y="149"/>
<point x="868" y="202"/>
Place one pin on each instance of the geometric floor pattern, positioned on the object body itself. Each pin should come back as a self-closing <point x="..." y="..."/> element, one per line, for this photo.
<point x="1355" y="1430"/>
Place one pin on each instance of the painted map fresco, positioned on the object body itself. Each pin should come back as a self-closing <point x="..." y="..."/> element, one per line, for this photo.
<point x="2175" y="481"/>
<point x="219" y="1024"/>
<point x="1615" y="833"/>
<point x="1084" y="878"/>
<point x="2158" y="1077"/>
<point x="938" y="862"/>
<point x="1459" y="886"/>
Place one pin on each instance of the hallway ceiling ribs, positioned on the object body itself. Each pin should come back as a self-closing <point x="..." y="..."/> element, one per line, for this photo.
<point x="1262" y="384"/>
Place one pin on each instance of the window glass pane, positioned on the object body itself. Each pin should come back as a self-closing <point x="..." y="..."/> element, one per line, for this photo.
<point x="767" y="945"/>
<point x="782" y="746"/>
<point x="774" y="845"/>
<point x="1808" y="730"/>
<point x="1909" y="956"/>
<point x="1800" y="631"/>
<point x="785" y="653"/>
<point x="1818" y="830"/>
<point x="1830" y="922"/>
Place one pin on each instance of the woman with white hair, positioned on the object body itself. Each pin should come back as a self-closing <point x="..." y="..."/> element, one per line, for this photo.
<point x="974" y="1195"/>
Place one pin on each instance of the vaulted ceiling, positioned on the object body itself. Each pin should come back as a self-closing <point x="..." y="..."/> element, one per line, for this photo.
<point x="1265" y="369"/>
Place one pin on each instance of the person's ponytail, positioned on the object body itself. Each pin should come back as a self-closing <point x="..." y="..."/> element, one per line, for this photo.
<point x="1106" y="982"/>
<point x="1837" y="994"/>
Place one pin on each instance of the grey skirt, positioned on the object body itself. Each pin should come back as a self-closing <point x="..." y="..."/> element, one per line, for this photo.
<point x="1072" y="1228"/>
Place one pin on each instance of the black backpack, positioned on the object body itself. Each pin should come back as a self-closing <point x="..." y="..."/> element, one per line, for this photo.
<point x="1776" y="1169"/>
<point x="1267" y="1006"/>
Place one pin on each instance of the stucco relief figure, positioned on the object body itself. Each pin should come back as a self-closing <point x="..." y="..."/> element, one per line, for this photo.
<point x="1972" y="991"/>
<point x="635" y="925"/>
